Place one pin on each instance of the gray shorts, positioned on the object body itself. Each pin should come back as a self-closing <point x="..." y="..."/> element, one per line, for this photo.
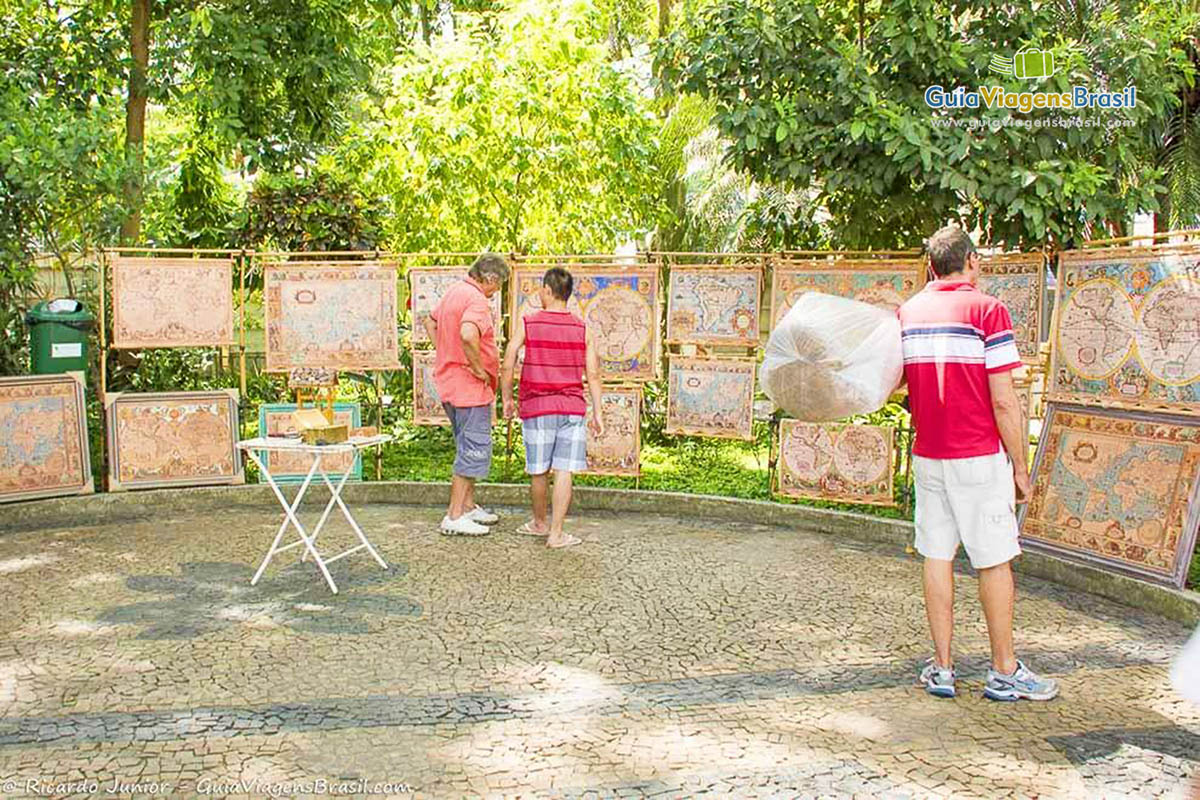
<point x="472" y="426"/>
<point x="555" y="441"/>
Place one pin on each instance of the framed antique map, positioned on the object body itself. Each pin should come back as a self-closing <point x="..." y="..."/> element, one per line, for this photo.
<point x="618" y="451"/>
<point x="620" y="307"/>
<point x="886" y="283"/>
<point x="836" y="461"/>
<point x="43" y="437"/>
<point x="711" y="397"/>
<point x="1117" y="489"/>
<point x="1127" y="331"/>
<point x="714" y="305"/>
<point x="1018" y="281"/>
<point x="171" y="302"/>
<point x="427" y="405"/>
<point x="427" y="285"/>
<point x="275" y="419"/>
<point x="340" y="316"/>
<point x="172" y="439"/>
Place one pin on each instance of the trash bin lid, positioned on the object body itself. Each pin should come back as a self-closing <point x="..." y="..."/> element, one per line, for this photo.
<point x="48" y="311"/>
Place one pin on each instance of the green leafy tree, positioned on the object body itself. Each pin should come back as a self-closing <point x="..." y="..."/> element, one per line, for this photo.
<point x="830" y="97"/>
<point x="322" y="212"/>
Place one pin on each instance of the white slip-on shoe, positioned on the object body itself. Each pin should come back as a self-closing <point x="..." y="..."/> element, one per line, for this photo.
<point x="463" y="526"/>
<point x="483" y="516"/>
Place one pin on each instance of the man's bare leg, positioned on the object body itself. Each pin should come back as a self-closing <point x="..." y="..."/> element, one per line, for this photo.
<point x="997" y="593"/>
<point x="539" y="490"/>
<point x="939" y="606"/>
<point x="558" y="511"/>
<point x="460" y="489"/>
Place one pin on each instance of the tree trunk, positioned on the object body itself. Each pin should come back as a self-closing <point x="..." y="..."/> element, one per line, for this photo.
<point x="135" y="121"/>
<point x="664" y="17"/>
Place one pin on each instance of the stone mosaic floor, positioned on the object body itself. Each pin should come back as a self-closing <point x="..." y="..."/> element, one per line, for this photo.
<point x="663" y="657"/>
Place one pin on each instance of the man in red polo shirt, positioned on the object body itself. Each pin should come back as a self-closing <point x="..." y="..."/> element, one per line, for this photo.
<point x="466" y="373"/>
<point x="969" y="458"/>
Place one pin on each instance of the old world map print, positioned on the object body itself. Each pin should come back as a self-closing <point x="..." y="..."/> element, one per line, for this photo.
<point x="620" y="308"/>
<point x="427" y="405"/>
<point x="886" y="283"/>
<point x="714" y="305"/>
<point x="172" y="439"/>
<point x="618" y="451"/>
<point x="427" y="285"/>
<point x="275" y="419"/>
<point x="1118" y="488"/>
<point x="172" y="302"/>
<point x="836" y="461"/>
<point x="711" y="397"/>
<point x="1128" y="330"/>
<point x="1017" y="280"/>
<point x="337" y="316"/>
<point x="43" y="437"/>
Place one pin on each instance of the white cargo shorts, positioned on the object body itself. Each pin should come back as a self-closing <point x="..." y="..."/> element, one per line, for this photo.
<point x="968" y="500"/>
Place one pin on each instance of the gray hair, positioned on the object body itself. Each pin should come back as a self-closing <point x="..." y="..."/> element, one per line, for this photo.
<point x="490" y="266"/>
<point x="948" y="250"/>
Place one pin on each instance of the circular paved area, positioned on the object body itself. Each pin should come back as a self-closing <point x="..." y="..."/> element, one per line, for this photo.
<point x="663" y="657"/>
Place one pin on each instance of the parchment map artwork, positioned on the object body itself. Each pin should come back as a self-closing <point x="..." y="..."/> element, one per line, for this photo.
<point x="275" y="419"/>
<point x="620" y="308"/>
<point x="427" y="285"/>
<point x="172" y="439"/>
<point x="1128" y="331"/>
<point x="836" y="461"/>
<point x="1017" y="281"/>
<point x="172" y="302"/>
<point x="714" y="306"/>
<point x="427" y="406"/>
<point x="711" y="397"/>
<point x="883" y="283"/>
<point x="1117" y="488"/>
<point x="43" y="437"/>
<point x="618" y="451"/>
<point x="337" y="316"/>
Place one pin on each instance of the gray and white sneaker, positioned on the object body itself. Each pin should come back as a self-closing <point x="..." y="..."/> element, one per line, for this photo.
<point x="938" y="681"/>
<point x="483" y="516"/>
<point x="1023" y="684"/>
<point x="463" y="526"/>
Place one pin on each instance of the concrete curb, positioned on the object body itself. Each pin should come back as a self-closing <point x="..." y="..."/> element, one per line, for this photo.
<point x="98" y="509"/>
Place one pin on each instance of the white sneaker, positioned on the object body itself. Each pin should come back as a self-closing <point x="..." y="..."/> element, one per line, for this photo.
<point x="463" y="526"/>
<point x="483" y="516"/>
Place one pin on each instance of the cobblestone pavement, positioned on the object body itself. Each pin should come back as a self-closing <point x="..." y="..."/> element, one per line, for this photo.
<point x="663" y="657"/>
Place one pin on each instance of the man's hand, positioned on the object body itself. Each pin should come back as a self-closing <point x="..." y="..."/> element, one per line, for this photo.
<point x="1021" y="481"/>
<point x="510" y="408"/>
<point x="480" y="373"/>
<point x="596" y="424"/>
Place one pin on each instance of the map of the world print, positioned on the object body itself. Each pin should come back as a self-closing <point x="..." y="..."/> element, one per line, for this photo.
<point x="714" y="305"/>
<point x="835" y="461"/>
<point x="618" y="450"/>
<point x="885" y="283"/>
<point x="427" y="285"/>
<point x="1017" y="280"/>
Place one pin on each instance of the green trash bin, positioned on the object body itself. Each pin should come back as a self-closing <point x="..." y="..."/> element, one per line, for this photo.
<point x="58" y="338"/>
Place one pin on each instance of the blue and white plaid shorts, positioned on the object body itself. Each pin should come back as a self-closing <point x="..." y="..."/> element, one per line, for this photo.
<point x="555" y="441"/>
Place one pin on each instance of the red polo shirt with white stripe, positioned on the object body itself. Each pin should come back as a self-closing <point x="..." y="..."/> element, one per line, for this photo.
<point x="953" y="336"/>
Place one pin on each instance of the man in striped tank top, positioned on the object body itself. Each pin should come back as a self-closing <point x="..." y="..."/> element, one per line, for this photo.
<point x="558" y="354"/>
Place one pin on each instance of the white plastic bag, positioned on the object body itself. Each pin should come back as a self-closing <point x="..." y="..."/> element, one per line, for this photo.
<point x="1185" y="673"/>
<point x="830" y="358"/>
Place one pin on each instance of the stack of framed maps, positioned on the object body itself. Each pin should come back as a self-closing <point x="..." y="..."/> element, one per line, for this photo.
<point x="1018" y="281"/>
<point x="714" y="305"/>
<point x="275" y="419"/>
<point x="43" y="437"/>
<point x="886" y="283"/>
<point x="711" y="397"/>
<point x="427" y="285"/>
<point x="1118" y="489"/>
<point x="336" y="315"/>
<point x="836" y="461"/>
<point x="618" y="451"/>
<point x="427" y="405"/>
<point x="171" y="302"/>
<point x="1127" y="332"/>
<point x="620" y="307"/>
<point x="172" y="439"/>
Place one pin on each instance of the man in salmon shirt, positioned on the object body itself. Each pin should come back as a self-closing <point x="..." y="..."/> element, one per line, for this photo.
<point x="969" y="459"/>
<point x="465" y="372"/>
<point x="558" y="354"/>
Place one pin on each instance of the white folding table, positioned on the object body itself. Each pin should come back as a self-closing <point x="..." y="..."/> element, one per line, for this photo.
<point x="266" y="444"/>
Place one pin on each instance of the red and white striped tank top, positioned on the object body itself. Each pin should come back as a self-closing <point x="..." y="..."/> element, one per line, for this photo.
<point x="555" y="360"/>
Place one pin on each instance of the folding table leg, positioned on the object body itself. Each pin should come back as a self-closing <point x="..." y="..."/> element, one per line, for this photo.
<point x="289" y="510"/>
<point x="328" y="506"/>
<point x="337" y="498"/>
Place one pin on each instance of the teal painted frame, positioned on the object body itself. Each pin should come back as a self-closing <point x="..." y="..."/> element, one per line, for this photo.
<point x="290" y="478"/>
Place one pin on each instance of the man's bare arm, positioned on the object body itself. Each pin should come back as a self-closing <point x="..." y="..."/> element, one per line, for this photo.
<point x="1006" y="408"/>
<point x="508" y="372"/>
<point x="595" y="386"/>
<point x="471" y="340"/>
<point x="430" y="325"/>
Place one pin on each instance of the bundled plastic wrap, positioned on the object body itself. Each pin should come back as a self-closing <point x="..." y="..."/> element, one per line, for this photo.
<point x="830" y="358"/>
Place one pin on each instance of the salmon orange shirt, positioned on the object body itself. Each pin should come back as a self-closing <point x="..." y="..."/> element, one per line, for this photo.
<point x="464" y="302"/>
